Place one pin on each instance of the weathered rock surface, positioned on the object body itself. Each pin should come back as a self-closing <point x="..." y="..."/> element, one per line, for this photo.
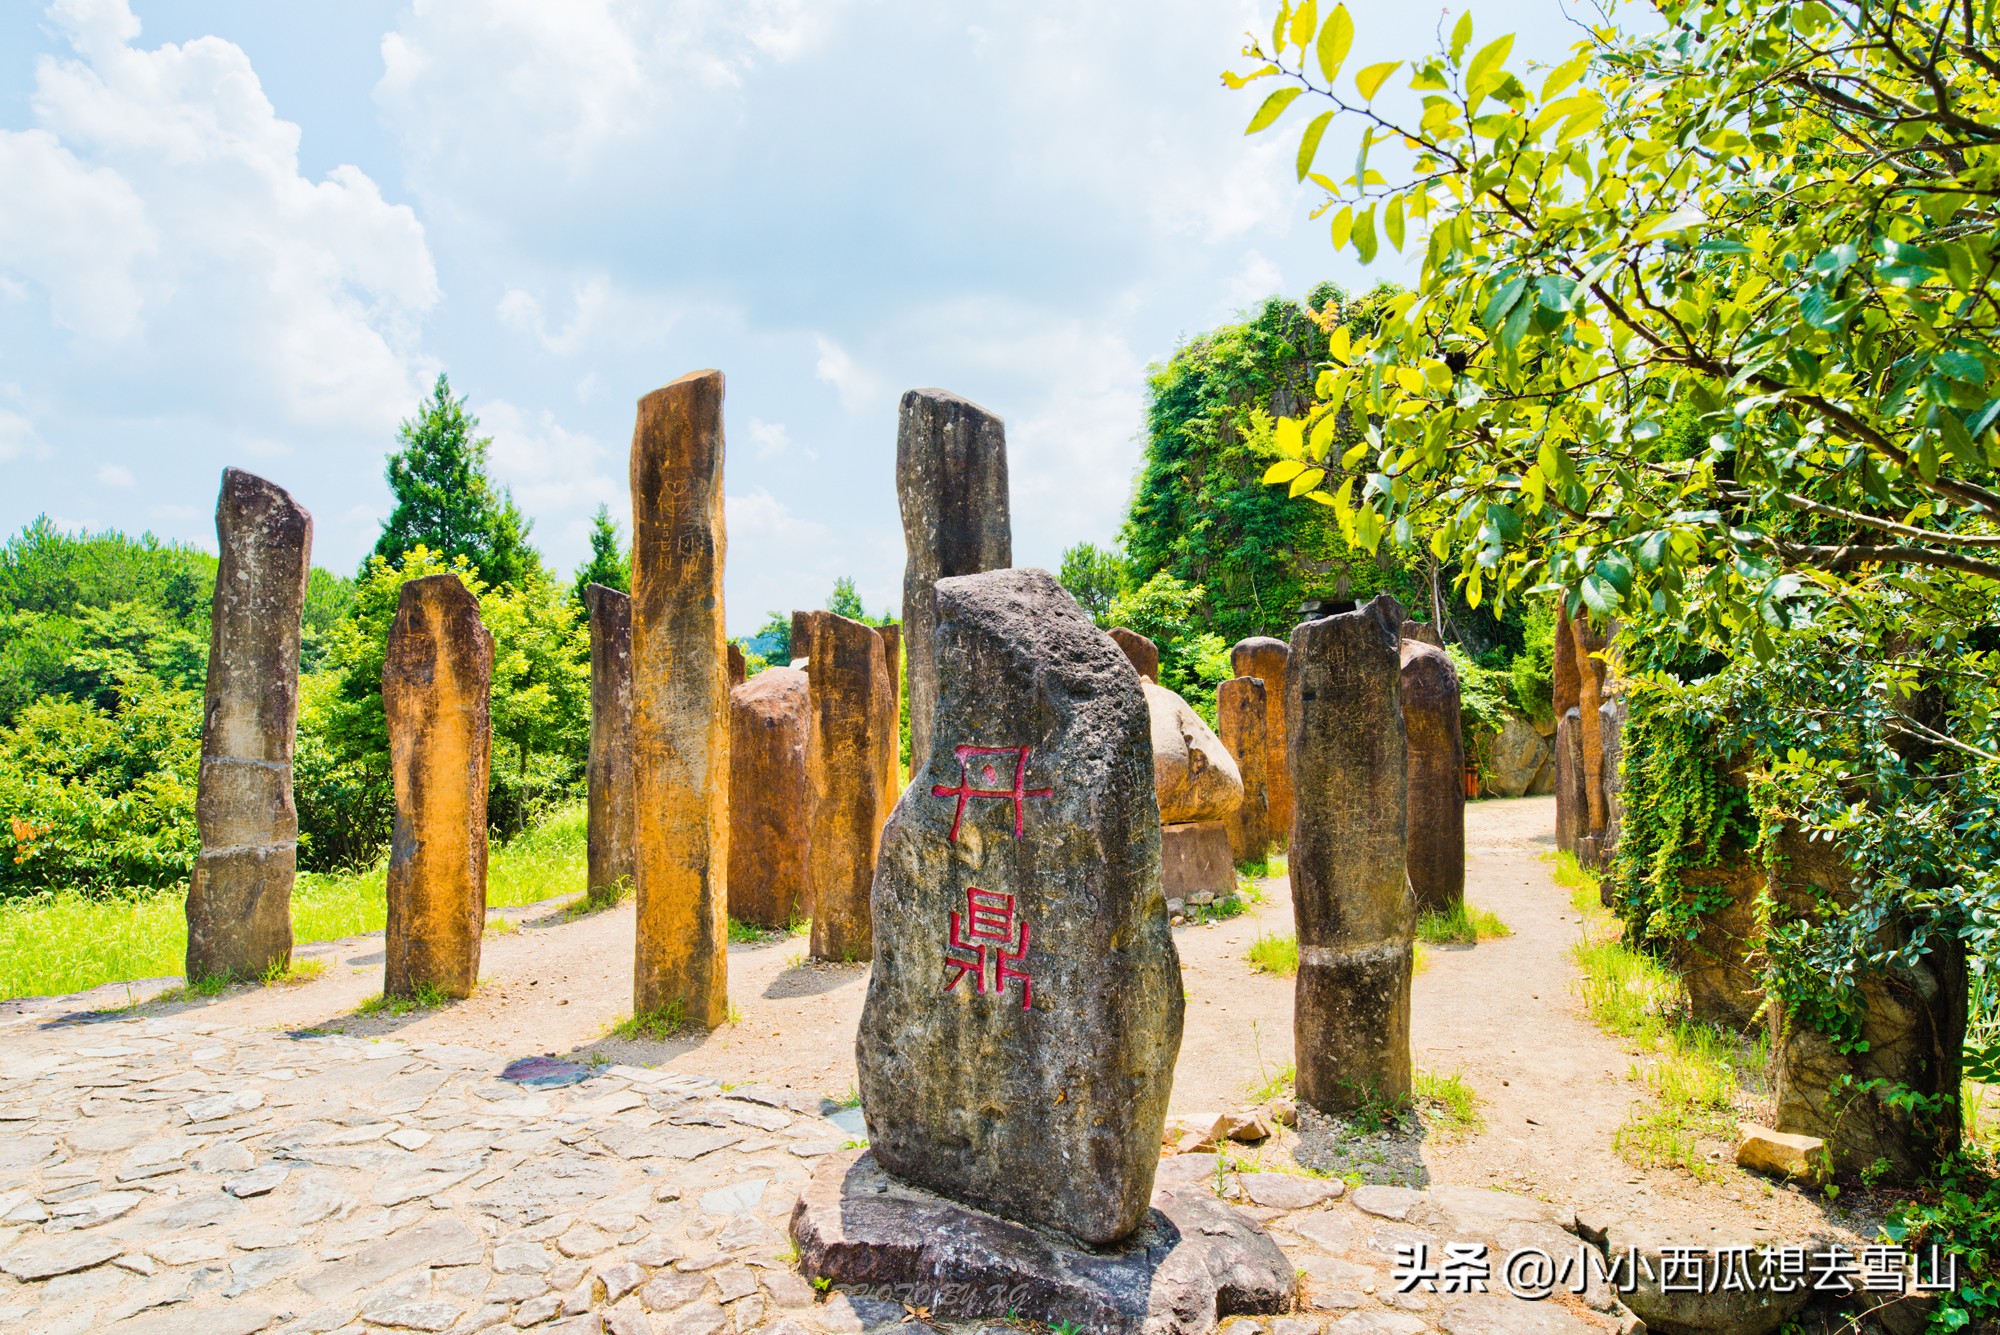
<point x="1145" y="655"/>
<point x="1241" y="719"/>
<point x="852" y="735"/>
<point x="680" y="704"/>
<point x="609" y="773"/>
<point x="1356" y="916"/>
<point x="1912" y="1028"/>
<point x="951" y="482"/>
<point x="1193" y="1259"/>
<point x="239" y="904"/>
<point x="1517" y="757"/>
<point x="1436" y="849"/>
<point x="770" y="798"/>
<point x="1194" y="776"/>
<point x="1723" y="987"/>
<point x="1025" y="1007"/>
<point x="1422" y="632"/>
<point x="437" y="680"/>
<point x="892" y="758"/>
<point x="1265" y="657"/>
<point x="1195" y="859"/>
<point x="1788" y="1158"/>
<point x="1753" y="1309"/>
<point x="739" y="668"/>
<point x="1572" y="804"/>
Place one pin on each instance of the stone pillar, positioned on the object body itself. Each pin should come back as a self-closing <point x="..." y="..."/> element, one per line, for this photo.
<point x="1240" y="718"/>
<point x="1572" y="807"/>
<point x="1198" y="789"/>
<point x="770" y="799"/>
<point x="1356" y="916"/>
<point x="849" y="676"/>
<point x="1912" y="1035"/>
<point x="1262" y="656"/>
<point x="1145" y="655"/>
<point x="608" y="775"/>
<point x="739" y="671"/>
<point x="437" y="680"/>
<point x="1017" y="1046"/>
<point x="1590" y="698"/>
<point x="951" y="481"/>
<point x="892" y="721"/>
<point x="680" y="704"/>
<point x="1436" y="852"/>
<point x="239" y="903"/>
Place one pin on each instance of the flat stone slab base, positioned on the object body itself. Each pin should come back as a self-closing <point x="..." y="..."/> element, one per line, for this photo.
<point x="1194" y="1261"/>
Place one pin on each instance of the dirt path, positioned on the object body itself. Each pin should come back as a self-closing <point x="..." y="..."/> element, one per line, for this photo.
<point x="1553" y="1088"/>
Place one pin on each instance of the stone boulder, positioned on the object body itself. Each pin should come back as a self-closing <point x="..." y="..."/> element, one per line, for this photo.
<point x="1017" y="1045"/>
<point x="1515" y="758"/>
<point x="1194" y="775"/>
<point x="1754" y="1309"/>
<point x="1145" y="655"/>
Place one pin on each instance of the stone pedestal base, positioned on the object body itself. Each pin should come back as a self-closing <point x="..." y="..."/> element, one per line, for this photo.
<point x="1195" y="857"/>
<point x="1194" y="1261"/>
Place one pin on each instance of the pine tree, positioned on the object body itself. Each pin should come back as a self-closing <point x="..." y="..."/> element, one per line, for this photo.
<point x="609" y="564"/>
<point x="844" y="601"/>
<point x="444" y="499"/>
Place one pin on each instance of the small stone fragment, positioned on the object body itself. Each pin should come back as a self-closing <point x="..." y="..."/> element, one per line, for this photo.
<point x="1779" y="1154"/>
<point x="1282" y="1191"/>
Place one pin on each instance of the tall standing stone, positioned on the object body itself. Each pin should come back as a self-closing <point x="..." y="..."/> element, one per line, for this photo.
<point x="770" y="798"/>
<point x="1356" y="916"/>
<point x="680" y="704"/>
<point x="1025" y="1008"/>
<point x="849" y="712"/>
<point x="239" y="904"/>
<point x="1263" y="656"/>
<point x="1240" y="719"/>
<point x="608" y="776"/>
<point x="437" y="679"/>
<point x="1436" y="851"/>
<point x="739" y="670"/>
<point x="892" y="755"/>
<point x="1145" y="655"/>
<point x="951" y="481"/>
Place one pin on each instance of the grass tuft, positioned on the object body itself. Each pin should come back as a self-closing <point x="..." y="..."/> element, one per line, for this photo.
<point x="1447" y="1103"/>
<point x="427" y="997"/>
<point x="750" y="934"/>
<point x="293" y="973"/>
<point x="660" y="1025"/>
<point x="1462" y="924"/>
<point x="1274" y="953"/>
<point x="1278" y="1086"/>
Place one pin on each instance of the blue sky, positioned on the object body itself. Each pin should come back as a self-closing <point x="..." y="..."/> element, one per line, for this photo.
<point x="250" y="233"/>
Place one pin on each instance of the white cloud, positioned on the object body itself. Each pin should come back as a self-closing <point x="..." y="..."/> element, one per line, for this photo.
<point x="19" y="439"/>
<point x="771" y="440"/>
<point x="761" y="517"/>
<point x="556" y="474"/>
<point x="158" y="204"/>
<point x="596" y="309"/>
<point x="858" y="389"/>
<point x="115" y="475"/>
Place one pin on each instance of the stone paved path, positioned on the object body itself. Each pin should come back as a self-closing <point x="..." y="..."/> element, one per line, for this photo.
<point x="172" y="1174"/>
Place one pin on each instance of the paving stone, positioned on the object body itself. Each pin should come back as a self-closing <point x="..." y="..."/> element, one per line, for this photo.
<point x="655" y="1252"/>
<point x="187" y="1251"/>
<point x="415" y="1316"/>
<point x="1387" y="1202"/>
<point x="235" y="1319"/>
<point x="696" y="1319"/>
<point x="1500" y="1314"/>
<point x="92" y="1210"/>
<point x="1378" y="1323"/>
<point x="516" y="1288"/>
<point x="736" y="1198"/>
<point x="581" y="1325"/>
<point x="258" y="1182"/>
<point x="260" y="1268"/>
<point x="581" y="1298"/>
<point x="521" y="1258"/>
<point x="488" y="1316"/>
<point x="463" y="1281"/>
<point x="733" y="1282"/>
<point x="45" y="1260"/>
<point x="224" y="1105"/>
<point x="583" y="1241"/>
<point x="622" y="1279"/>
<point x="703" y="1261"/>
<point x="788" y="1288"/>
<point x="1283" y="1191"/>
<point x="537" y="1310"/>
<point x="629" y="1320"/>
<point x="426" y="1243"/>
<point x="666" y="1292"/>
<point x="567" y="1275"/>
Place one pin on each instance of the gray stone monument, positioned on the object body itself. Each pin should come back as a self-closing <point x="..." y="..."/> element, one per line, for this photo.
<point x="608" y="775"/>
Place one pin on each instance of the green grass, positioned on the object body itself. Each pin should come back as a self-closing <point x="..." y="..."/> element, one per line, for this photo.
<point x="1693" y="1070"/>
<point x="1275" y="953"/>
<point x="1447" y="1103"/>
<point x="293" y="973"/>
<point x="1229" y="906"/>
<point x="660" y="1025"/>
<point x="1461" y="925"/>
<point x="1277" y="1086"/>
<point x="428" y="997"/>
<point x="64" y="941"/>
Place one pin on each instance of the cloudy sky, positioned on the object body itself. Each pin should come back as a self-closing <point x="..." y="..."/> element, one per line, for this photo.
<point x="241" y="232"/>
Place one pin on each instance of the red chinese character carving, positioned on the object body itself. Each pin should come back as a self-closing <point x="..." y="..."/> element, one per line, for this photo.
<point x="991" y="774"/>
<point x="988" y="922"/>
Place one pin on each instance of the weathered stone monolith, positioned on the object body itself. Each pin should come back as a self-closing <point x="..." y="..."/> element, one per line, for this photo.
<point x="239" y="903"/>
<point x="1436" y="849"/>
<point x="951" y="481"/>
<point x="1590" y="669"/>
<point x="680" y="704"/>
<point x="608" y="775"/>
<point x="1240" y="720"/>
<point x="1024" y="1012"/>
<point x="1145" y="655"/>
<point x="770" y="798"/>
<point x="1265" y="657"/>
<point x="1356" y="916"/>
<point x="1572" y="805"/>
<point x="1199" y="789"/>
<point x="739" y="670"/>
<point x="437" y="678"/>
<point x="892" y="723"/>
<point x="851" y="728"/>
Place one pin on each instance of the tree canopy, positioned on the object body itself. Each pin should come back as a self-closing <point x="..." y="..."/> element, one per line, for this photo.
<point x="444" y="499"/>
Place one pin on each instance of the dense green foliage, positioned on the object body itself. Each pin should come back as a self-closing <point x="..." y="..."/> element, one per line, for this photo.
<point x="1093" y="577"/>
<point x="610" y="564"/>
<point x="444" y="499"/>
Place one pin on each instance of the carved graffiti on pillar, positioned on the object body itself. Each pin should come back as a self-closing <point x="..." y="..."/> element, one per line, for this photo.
<point x="989" y="927"/>
<point x="989" y="772"/>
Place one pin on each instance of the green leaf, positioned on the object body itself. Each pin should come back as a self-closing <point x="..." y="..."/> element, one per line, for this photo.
<point x="1282" y="471"/>
<point x="1279" y="26"/>
<point x="1486" y="65"/>
<point x="1309" y="145"/>
<point x="1343" y="226"/>
<point x="1370" y="79"/>
<point x="1274" y="107"/>
<point x="1501" y="302"/>
<point x="1334" y="40"/>
<point x="1364" y="235"/>
<point x="1291" y="437"/>
<point x="1306" y="481"/>
<point x="1392" y="222"/>
<point x="1461" y="33"/>
<point x="1304" y="20"/>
